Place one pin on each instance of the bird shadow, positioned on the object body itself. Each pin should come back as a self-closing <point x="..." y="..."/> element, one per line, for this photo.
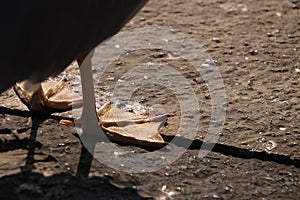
<point x="32" y="185"/>
<point x="61" y="186"/>
<point x="31" y="144"/>
<point x="26" y="183"/>
<point x="192" y="144"/>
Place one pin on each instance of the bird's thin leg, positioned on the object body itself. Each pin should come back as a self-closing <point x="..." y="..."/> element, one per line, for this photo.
<point x="90" y="123"/>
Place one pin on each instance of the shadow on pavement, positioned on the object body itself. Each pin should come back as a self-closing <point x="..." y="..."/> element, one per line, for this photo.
<point x="30" y="185"/>
<point x="61" y="186"/>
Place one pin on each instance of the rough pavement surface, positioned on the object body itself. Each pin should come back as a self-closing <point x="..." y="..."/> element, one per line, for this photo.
<point x="255" y="44"/>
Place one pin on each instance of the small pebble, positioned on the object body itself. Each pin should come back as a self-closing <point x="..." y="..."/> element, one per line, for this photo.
<point x="282" y="128"/>
<point x="216" y="39"/>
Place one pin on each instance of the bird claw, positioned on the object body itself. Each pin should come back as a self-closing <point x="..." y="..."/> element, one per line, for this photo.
<point x="50" y="96"/>
<point x="127" y="127"/>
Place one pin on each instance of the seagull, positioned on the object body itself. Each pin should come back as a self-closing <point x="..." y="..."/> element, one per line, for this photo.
<point x="39" y="39"/>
